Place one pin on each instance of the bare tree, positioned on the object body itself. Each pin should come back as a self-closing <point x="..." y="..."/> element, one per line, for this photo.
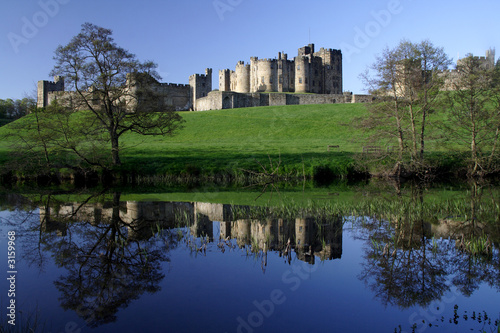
<point x="407" y="81"/>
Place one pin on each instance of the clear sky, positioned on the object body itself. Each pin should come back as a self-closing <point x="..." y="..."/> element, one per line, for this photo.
<point x="186" y="36"/>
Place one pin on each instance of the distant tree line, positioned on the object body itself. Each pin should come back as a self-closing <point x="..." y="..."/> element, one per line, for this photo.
<point x="11" y="109"/>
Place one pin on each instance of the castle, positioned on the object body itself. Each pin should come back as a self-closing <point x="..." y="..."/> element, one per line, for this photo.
<point x="451" y="77"/>
<point x="181" y="97"/>
<point x="310" y="78"/>
<point x="309" y="72"/>
<point x="312" y="237"/>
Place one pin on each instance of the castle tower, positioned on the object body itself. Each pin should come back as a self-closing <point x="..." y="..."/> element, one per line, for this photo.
<point x="285" y="74"/>
<point x="242" y="78"/>
<point x="45" y="87"/>
<point x="332" y="70"/>
<point x="225" y="80"/>
<point x="265" y="75"/>
<point x="302" y="74"/>
<point x="490" y="57"/>
<point x="200" y="85"/>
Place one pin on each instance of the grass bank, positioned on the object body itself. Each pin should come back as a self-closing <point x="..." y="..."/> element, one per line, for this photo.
<point x="232" y="140"/>
<point x="228" y="142"/>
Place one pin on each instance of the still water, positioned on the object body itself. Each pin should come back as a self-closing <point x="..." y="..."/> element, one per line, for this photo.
<point x="104" y="264"/>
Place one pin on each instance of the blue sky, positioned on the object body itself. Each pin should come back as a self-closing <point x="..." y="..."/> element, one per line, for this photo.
<point x="186" y="36"/>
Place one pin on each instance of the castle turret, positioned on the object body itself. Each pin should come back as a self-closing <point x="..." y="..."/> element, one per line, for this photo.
<point x="46" y="87"/>
<point x="242" y="78"/>
<point x="306" y="50"/>
<point x="265" y="75"/>
<point x="225" y="80"/>
<point x="302" y="74"/>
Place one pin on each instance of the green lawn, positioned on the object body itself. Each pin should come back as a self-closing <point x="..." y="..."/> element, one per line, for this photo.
<point x="227" y="141"/>
<point x="216" y="140"/>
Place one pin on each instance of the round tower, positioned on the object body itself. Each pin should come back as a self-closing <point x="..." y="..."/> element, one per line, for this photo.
<point x="244" y="232"/>
<point x="254" y="64"/>
<point x="265" y="75"/>
<point x="133" y="211"/>
<point x="242" y="77"/>
<point x="301" y="233"/>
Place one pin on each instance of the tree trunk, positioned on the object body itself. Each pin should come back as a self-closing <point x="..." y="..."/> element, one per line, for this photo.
<point x="473" y="144"/>
<point x="413" y="132"/>
<point x="424" y="119"/>
<point x="115" y="150"/>
<point x="494" y="148"/>
<point x="473" y="147"/>
<point x="399" y="129"/>
<point x="422" y="136"/>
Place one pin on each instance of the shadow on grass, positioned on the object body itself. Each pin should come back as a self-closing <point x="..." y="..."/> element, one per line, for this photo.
<point x="199" y="161"/>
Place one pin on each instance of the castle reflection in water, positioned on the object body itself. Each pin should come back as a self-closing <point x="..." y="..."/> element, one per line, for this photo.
<point x="309" y="237"/>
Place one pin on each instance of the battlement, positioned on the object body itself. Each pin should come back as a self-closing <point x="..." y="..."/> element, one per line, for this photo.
<point x="282" y="56"/>
<point x="174" y="85"/>
<point x="266" y="60"/>
<point x="56" y="84"/>
<point x="326" y="50"/>
<point x="241" y="65"/>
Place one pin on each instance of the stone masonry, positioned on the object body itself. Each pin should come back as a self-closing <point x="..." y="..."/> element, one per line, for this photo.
<point x="310" y="78"/>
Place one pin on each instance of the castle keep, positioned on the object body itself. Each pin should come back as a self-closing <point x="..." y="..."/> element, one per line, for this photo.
<point x="309" y="72"/>
<point x="310" y="78"/>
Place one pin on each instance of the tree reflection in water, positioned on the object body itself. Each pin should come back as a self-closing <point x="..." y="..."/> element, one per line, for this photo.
<point x="111" y="258"/>
<point x="415" y="251"/>
<point x="413" y="258"/>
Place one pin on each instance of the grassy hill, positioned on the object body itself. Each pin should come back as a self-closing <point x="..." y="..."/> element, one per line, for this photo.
<point x="231" y="139"/>
<point x="227" y="141"/>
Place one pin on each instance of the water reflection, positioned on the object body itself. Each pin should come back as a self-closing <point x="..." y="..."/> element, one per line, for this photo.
<point x="412" y="256"/>
<point x="110" y="257"/>
<point x="115" y="251"/>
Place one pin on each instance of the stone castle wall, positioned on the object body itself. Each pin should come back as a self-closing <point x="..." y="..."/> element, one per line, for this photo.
<point x="452" y="77"/>
<point x="313" y="77"/>
<point x="176" y="95"/>
<point x="218" y="100"/>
